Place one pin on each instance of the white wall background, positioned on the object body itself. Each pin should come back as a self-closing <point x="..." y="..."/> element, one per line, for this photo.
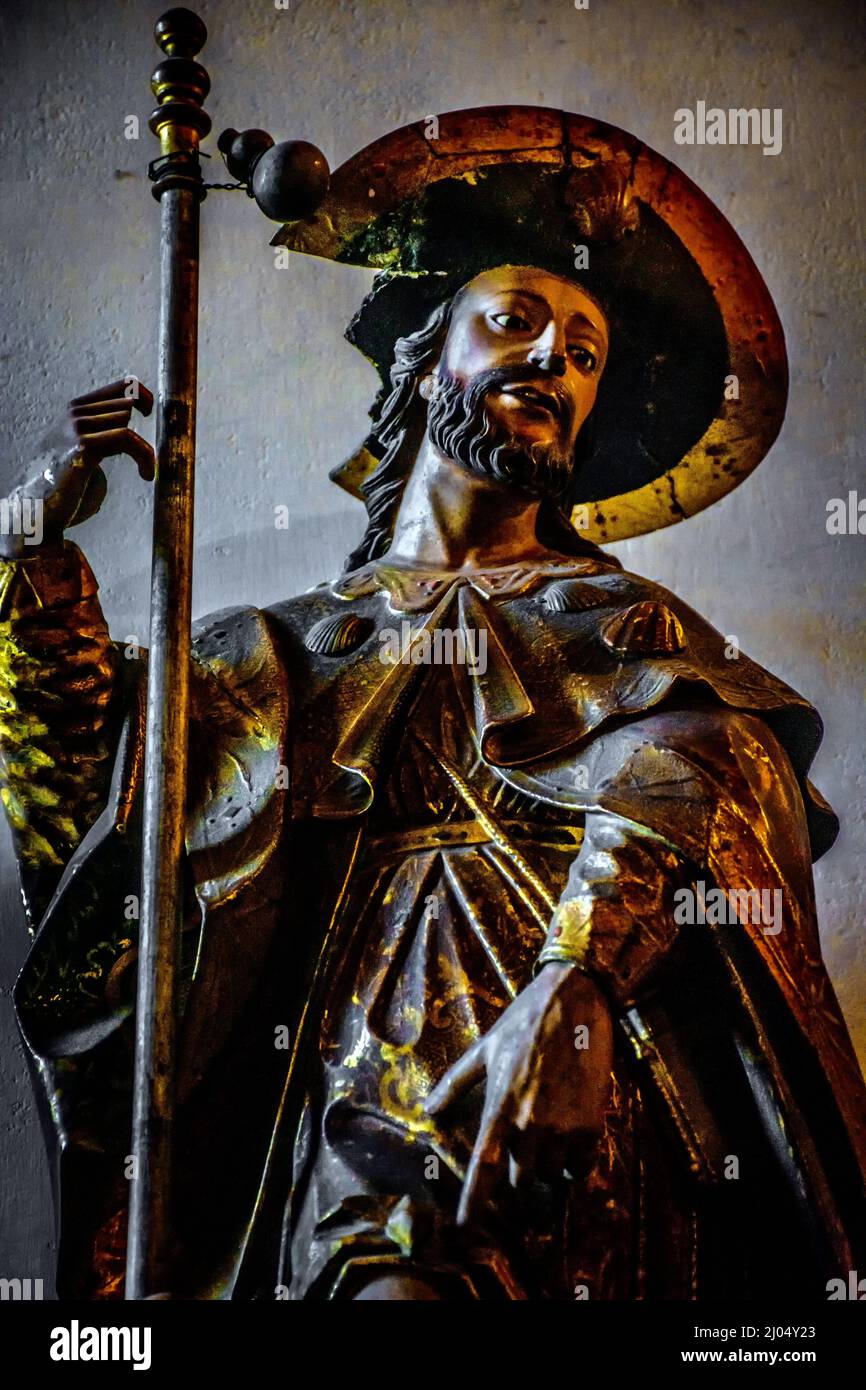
<point x="283" y="397"/>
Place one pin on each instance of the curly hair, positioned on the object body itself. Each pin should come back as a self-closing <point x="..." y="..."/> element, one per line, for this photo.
<point x="399" y="420"/>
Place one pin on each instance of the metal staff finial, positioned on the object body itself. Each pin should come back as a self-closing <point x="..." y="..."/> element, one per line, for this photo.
<point x="180" y="84"/>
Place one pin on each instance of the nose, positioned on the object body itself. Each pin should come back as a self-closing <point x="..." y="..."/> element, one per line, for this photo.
<point x="547" y="352"/>
<point x="548" y="360"/>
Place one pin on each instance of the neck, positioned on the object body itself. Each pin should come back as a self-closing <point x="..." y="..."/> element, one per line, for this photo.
<point x="450" y="519"/>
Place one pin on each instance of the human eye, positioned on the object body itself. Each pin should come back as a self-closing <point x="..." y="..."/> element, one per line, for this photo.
<point x="510" y="320"/>
<point x="584" y="356"/>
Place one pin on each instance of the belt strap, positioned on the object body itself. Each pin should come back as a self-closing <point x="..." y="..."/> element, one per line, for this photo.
<point x="457" y="834"/>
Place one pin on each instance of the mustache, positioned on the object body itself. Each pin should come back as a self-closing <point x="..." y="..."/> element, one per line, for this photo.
<point x="521" y="374"/>
<point x="461" y="426"/>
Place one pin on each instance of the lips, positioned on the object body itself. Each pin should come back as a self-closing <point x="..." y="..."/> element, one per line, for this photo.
<point x="534" y="398"/>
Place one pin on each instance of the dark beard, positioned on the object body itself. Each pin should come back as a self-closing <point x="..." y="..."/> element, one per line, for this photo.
<point x="460" y="427"/>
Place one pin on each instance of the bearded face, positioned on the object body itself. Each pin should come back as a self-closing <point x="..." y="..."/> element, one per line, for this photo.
<point x="509" y="386"/>
<point x="463" y="428"/>
<point x="517" y="378"/>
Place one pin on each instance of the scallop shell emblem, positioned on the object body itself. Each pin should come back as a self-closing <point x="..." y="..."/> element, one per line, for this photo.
<point x="569" y="596"/>
<point x="645" y="629"/>
<point x="338" y="634"/>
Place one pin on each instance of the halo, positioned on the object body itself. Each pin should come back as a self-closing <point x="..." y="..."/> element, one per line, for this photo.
<point x="398" y="167"/>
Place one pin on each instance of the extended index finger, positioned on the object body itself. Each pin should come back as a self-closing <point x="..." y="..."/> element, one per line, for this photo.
<point x="129" y="388"/>
<point x="485" y="1165"/>
<point x="464" y="1073"/>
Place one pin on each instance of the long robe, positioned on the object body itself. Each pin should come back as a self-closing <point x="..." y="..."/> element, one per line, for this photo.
<point x="377" y="850"/>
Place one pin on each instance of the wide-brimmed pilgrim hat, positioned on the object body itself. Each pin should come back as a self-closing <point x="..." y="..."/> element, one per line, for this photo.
<point x="694" y="390"/>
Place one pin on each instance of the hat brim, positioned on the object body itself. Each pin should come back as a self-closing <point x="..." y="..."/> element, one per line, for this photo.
<point x="713" y="395"/>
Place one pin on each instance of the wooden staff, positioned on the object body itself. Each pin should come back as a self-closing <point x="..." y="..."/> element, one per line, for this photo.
<point x="180" y="85"/>
<point x="287" y="181"/>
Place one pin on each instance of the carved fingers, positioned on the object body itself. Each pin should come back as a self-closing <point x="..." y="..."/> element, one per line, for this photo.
<point x="68" y="485"/>
<point x="100" y="421"/>
<point x="546" y="1069"/>
<point x="484" y="1170"/>
<point x="502" y="1151"/>
<point x="464" y="1073"/>
<point x="487" y="1154"/>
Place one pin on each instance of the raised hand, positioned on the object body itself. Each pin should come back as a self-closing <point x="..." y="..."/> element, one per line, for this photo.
<point x="68" y="484"/>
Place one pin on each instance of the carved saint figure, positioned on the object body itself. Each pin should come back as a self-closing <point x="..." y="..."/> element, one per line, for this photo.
<point x="502" y="977"/>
